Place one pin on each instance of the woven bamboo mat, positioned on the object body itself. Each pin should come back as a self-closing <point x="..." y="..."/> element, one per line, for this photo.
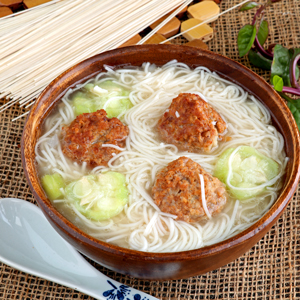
<point x="270" y="270"/>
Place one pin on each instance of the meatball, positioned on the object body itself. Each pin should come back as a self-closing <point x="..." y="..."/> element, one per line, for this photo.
<point x="177" y="190"/>
<point x="82" y="140"/>
<point x="191" y="124"/>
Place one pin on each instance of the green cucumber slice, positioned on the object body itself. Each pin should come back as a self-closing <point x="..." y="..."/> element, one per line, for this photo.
<point x="116" y="106"/>
<point x="99" y="197"/>
<point x="94" y="97"/>
<point x="52" y="185"/>
<point x="250" y="169"/>
<point x="83" y="104"/>
<point x="113" y="88"/>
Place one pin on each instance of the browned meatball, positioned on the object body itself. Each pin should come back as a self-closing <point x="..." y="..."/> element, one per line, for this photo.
<point x="177" y="190"/>
<point x="191" y="124"/>
<point x="82" y="140"/>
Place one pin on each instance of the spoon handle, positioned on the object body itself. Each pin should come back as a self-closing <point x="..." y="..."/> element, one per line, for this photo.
<point x="100" y="287"/>
<point x="96" y="284"/>
<point x="30" y="244"/>
<point x="106" y="288"/>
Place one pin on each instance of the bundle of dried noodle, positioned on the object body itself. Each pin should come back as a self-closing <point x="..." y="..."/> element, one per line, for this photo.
<point x="38" y="45"/>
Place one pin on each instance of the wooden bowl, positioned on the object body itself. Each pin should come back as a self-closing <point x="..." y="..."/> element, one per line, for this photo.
<point x="162" y="266"/>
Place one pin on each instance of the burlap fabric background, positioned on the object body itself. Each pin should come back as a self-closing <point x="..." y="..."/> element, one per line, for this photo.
<point x="270" y="270"/>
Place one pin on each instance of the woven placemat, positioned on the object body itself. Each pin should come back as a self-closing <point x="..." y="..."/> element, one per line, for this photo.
<point x="270" y="270"/>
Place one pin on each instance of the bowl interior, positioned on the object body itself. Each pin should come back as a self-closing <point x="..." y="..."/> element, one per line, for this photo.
<point x="160" y="54"/>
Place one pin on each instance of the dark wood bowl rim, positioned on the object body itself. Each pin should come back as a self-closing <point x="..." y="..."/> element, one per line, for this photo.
<point x="241" y="238"/>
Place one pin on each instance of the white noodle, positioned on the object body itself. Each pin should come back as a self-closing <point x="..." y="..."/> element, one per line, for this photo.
<point x="113" y="146"/>
<point x="142" y="225"/>
<point x="203" y="196"/>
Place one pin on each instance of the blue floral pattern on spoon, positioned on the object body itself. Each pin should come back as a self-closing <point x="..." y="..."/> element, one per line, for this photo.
<point x="121" y="293"/>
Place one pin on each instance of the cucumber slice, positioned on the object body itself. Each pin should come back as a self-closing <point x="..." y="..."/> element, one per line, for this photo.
<point x="93" y="97"/>
<point x="111" y="179"/>
<point x="113" y="88"/>
<point x="83" y="104"/>
<point x="52" y="185"/>
<point x="99" y="197"/>
<point x="116" y="106"/>
<point x="250" y="169"/>
<point x="89" y="87"/>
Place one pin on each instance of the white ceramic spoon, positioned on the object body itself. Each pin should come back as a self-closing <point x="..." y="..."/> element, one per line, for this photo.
<point x="30" y="244"/>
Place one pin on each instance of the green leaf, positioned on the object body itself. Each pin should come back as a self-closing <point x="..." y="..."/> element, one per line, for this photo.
<point x="281" y="64"/>
<point x="294" y="106"/>
<point x="259" y="61"/>
<point x="246" y="39"/>
<point x="248" y="5"/>
<point x="278" y="83"/>
<point x="295" y="109"/>
<point x="263" y="32"/>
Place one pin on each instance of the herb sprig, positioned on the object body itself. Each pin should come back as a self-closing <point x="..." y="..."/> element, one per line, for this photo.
<point x="282" y="62"/>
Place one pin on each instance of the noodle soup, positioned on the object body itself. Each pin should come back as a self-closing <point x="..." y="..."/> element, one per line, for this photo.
<point x="141" y="225"/>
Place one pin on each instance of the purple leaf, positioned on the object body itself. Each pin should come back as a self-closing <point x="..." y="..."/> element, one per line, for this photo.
<point x="290" y="90"/>
<point x="261" y="50"/>
<point x="270" y="49"/>
<point x="259" y="12"/>
<point x="293" y="77"/>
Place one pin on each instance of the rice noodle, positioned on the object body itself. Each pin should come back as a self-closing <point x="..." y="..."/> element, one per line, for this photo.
<point x="142" y="225"/>
<point x="113" y="146"/>
<point x="203" y="196"/>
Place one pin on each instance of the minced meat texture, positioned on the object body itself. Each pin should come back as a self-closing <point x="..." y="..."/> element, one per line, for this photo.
<point x="191" y="124"/>
<point x="82" y="140"/>
<point x="177" y="190"/>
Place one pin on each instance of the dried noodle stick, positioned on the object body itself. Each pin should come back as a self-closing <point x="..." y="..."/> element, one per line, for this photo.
<point x="39" y="44"/>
